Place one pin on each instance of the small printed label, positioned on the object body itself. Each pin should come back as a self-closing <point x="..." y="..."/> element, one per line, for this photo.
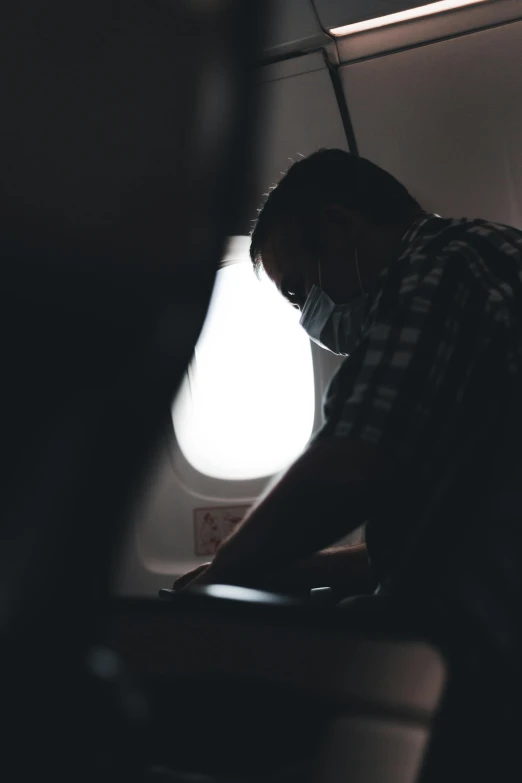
<point x="213" y="525"/>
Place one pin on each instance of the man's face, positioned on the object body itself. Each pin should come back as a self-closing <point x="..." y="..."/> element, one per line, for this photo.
<point x="295" y="271"/>
<point x="294" y="274"/>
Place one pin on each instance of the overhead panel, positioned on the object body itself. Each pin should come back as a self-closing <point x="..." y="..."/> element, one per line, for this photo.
<point x="335" y="13"/>
<point x="299" y="114"/>
<point x="446" y="119"/>
<point x="452" y="18"/>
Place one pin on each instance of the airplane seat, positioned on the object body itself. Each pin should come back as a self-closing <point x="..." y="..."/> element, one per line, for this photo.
<point x="125" y="147"/>
<point x="246" y="685"/>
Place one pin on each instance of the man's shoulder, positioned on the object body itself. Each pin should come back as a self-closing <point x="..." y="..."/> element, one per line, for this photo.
<point x="437" y="236"/>
<point x="445" y="253"/>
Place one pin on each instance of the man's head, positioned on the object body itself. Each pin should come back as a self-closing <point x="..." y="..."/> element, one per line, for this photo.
<point x="327" y="211"/>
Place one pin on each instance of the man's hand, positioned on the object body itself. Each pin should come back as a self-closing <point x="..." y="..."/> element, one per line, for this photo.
<point x="345" y="569"/>
<point x="327" y="493"/>
<point x="209" y="574"/>
<point x="186" y="579"/>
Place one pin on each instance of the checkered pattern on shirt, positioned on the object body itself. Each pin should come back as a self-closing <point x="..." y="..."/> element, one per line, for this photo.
<point x="454" y="293"/>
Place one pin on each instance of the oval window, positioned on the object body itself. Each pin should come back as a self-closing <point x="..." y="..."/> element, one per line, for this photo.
<point x="246" y="407"/>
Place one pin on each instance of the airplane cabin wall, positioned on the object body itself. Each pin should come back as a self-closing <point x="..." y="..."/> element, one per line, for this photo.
<point x="446" y="119"/>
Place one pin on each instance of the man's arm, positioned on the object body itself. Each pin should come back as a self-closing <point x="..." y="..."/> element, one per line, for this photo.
<point x="346" y="569"/>
<point x="413" y="362"/>
<point x="327" y="493"/>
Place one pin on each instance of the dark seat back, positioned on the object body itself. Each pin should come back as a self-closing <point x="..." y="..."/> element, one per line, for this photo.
<point x="124" y="146"/>
<point x="461" y="584"/>
<point x="249" y="686"/>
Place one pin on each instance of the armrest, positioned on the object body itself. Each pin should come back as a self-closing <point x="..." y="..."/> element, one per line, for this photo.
<point x="201" y="595"/>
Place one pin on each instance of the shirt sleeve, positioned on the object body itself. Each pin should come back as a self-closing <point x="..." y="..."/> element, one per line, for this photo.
<point x="423" y="336"/>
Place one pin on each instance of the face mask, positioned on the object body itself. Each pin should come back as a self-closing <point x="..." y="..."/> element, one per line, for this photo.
<point x="334" y="327"/>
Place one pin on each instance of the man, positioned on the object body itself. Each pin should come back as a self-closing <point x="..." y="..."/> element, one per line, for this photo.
<point x="426" y="311"/>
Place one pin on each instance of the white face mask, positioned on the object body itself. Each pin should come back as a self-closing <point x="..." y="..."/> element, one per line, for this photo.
<point x="334" y="327"/>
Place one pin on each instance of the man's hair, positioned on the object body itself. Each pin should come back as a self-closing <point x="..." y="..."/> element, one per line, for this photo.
<point x="329" y="176"/>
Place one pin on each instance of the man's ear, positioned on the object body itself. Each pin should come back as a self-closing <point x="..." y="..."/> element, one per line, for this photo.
<point x="340" y="227"/>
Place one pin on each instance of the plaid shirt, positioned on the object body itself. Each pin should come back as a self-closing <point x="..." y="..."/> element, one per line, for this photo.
<point x="441" y="336"/>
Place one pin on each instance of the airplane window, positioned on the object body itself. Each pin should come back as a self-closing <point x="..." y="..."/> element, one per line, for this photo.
<point x="246" y="408"/>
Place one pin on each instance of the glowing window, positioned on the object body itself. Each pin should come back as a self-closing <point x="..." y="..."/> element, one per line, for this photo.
<point x="246" y="408"/>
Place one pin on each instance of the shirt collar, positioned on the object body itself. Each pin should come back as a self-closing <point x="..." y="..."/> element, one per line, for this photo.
<point x="407" y="240"/>
<point x="414" y="230"/>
